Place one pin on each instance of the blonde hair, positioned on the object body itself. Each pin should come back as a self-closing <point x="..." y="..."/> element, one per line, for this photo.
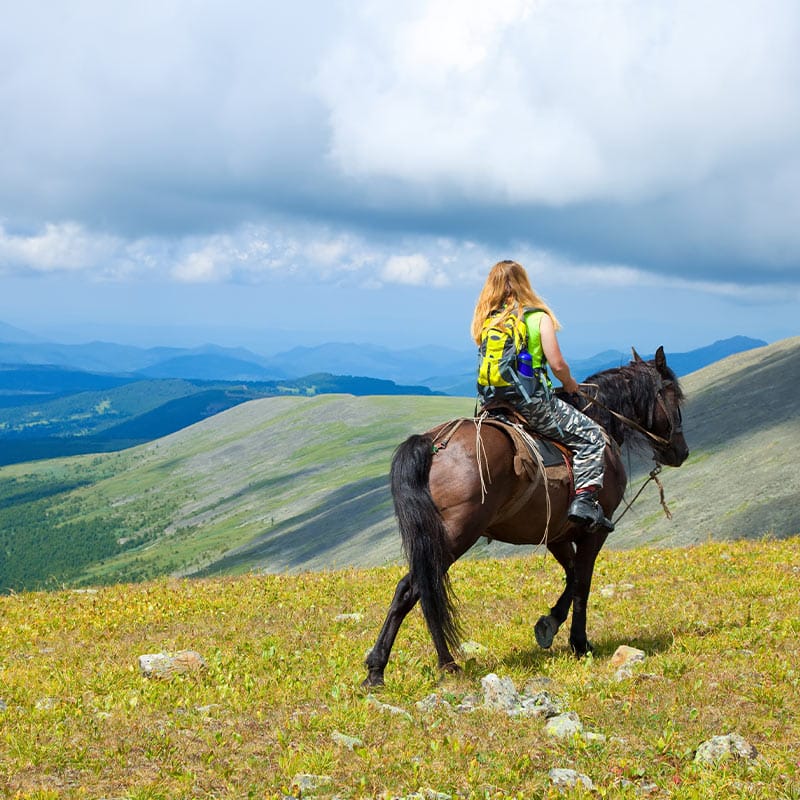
<point x="507" y="287"/>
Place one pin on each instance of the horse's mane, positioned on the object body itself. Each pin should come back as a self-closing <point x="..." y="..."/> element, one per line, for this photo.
<point x="630" y="390"/>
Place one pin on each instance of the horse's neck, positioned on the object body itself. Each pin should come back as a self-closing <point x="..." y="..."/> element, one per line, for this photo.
<point x="618" y="397"/>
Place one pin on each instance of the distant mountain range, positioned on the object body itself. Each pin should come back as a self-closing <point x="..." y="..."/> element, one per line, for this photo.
<point x="60" y="400"/>
<point x="440" y="369"/>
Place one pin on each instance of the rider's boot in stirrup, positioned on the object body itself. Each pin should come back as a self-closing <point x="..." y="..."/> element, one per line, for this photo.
<point x="585" y="510"/>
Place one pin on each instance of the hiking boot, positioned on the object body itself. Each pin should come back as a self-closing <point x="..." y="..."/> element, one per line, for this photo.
<point x="585" y="510"/>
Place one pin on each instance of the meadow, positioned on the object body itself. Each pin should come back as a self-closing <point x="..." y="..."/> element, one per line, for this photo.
<point x="280" y="700"/>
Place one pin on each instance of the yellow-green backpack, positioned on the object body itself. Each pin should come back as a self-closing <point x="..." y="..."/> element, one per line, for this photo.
<point x="503" y="336"/>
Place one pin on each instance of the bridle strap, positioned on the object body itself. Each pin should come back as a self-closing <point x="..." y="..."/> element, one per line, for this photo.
<point x="629" y="422"/>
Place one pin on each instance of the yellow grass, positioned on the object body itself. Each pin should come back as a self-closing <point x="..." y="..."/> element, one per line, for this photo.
<point x="718" y="623"/>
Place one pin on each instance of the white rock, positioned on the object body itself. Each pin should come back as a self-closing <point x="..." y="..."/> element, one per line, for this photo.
<point x="567" y="778"/>
<point x="500" y="693"/>
<point x="564" y="726"/>
<point x="720" y="748"/>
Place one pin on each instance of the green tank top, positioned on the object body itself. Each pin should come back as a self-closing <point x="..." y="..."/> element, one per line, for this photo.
<point x="533" y="319"/>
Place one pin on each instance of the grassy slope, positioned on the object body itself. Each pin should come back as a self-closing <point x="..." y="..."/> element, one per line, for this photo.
<point x="79" y="721"/>
<point x="282" y="483"/>
<point x="742" y="424"/>
<point x="286" y="484"/>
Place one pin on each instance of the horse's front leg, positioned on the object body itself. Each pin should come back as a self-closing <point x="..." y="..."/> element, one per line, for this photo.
<point x="585" y="556"/>
<point x="547" y="627"/>
<point x="405" y="597"/>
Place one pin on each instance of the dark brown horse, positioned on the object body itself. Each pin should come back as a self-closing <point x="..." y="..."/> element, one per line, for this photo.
<point x="446" y="498"/>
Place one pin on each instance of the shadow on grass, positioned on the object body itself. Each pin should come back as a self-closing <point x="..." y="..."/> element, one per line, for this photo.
<point x="603" y="648"/>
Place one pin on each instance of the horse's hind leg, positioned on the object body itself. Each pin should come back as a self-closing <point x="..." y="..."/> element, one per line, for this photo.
<point x="547" y="627"/>
<point x="405" y="597"/>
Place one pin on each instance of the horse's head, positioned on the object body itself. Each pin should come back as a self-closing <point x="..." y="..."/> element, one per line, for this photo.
<point x="664" y="421"/>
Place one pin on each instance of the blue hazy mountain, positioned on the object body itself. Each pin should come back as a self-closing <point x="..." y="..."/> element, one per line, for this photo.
<point x="441" y="369"/>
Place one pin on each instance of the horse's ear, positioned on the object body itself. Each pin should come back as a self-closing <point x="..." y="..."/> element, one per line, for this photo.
<point x="661" y="359"/>
<point x="636" y="357"/>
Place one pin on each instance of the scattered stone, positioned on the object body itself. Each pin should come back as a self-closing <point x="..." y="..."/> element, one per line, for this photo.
<point x="625" y="656"/>
<point x="720" y="748"/>
<point x="469" y="702"/>
<point x="471" y="649"/>
<point x="84" y="591"/>
<point x="542" y="704"/>
<point x="589" y="736"/>
<point x="432" y="702"/>
<point x="166" y="665"/>
<point x="306" y="782"/>
<point x="349" y="617"/>
<point x="46" y="703"/>
<point x="564" y="726"/>
<point x="569" y="778"/>
<point x="375" y="703"/>
<point x="3" y="706"/>
<point x="350" y="742"/>
<point x="500" y="694"/>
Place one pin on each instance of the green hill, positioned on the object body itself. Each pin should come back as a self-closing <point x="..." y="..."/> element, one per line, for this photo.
<point x="295" y="483"/>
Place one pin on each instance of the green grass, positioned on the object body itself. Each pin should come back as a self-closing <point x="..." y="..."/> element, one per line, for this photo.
<point x="718" y="623"/>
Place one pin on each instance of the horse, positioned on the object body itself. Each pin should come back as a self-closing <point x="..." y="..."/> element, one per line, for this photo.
<point x="449" y="490"/>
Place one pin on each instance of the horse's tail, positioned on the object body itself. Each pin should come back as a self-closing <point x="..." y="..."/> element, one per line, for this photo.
<point x="424" y="538"/>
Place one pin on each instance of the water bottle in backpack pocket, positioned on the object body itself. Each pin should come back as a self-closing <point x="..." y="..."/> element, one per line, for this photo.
<point x="526" y="373"/>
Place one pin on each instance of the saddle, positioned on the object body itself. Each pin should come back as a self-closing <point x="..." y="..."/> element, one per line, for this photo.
<point x="549" y="453"/>
<point x="532" y="451"/>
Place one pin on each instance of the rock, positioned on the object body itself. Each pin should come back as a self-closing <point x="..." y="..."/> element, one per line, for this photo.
<point x="569" y="778"/>
<point x="167" y="665"/>
<point x="720" y="748"/>
<point x="500" y="693"/>
<point x="564" y="726"/>
<point x="306" y="782"/>
<point x="356" y="617"/>
<point x="469" y="702"/>
<point x="3" y="706"/>
<point x="431" y="702"/>
<point x="350" y="742"/>
<point x="600" y="738"/>
<point x="469" y="649"/>
<point x="46" y="703"/>
<point x="541" y="705"/>
<point x="375" y="703"/>
<point x="624" y="656"/>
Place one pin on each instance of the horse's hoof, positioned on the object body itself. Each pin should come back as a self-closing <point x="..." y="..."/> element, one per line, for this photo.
<point x="451" y="668"/>
<point x="373" y="681"/>
<point x="581" y="648"/>
<point x="545" y="631"/>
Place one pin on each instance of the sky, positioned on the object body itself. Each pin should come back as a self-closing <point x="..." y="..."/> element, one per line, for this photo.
<point x="267" y="174"/>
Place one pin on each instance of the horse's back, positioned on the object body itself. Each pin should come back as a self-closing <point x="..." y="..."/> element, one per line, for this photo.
<point x="480" y="489"/>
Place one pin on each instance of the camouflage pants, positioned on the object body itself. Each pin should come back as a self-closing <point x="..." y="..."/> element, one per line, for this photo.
<point x="560" y="421"/>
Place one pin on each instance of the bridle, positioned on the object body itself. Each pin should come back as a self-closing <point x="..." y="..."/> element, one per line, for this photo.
<point x="674" y="427"/>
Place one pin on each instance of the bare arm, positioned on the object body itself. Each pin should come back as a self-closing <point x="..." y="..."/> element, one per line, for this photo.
<point x="553" y="354"/>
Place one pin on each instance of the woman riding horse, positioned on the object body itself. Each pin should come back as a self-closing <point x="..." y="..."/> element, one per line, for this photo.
<point x="459" y="482"/>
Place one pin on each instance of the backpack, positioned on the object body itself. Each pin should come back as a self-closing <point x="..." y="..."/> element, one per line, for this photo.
<point x="502" y="341"/>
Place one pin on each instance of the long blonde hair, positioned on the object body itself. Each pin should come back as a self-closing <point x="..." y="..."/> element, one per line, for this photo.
<point x="507" y="287"/>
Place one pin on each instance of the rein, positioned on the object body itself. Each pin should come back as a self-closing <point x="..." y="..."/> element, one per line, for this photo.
<point x="629" y="422"/>
<point x="653" y="476"/>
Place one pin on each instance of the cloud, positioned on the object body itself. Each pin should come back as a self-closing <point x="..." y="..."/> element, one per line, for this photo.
<point x="402" y="144"/>
<point x="413" y="270"/>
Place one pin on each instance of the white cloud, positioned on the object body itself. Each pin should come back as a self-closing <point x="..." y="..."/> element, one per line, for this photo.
<point x="62" y="247"/>
<point x="560" y="102"/>
<point x="413" y="270"/>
